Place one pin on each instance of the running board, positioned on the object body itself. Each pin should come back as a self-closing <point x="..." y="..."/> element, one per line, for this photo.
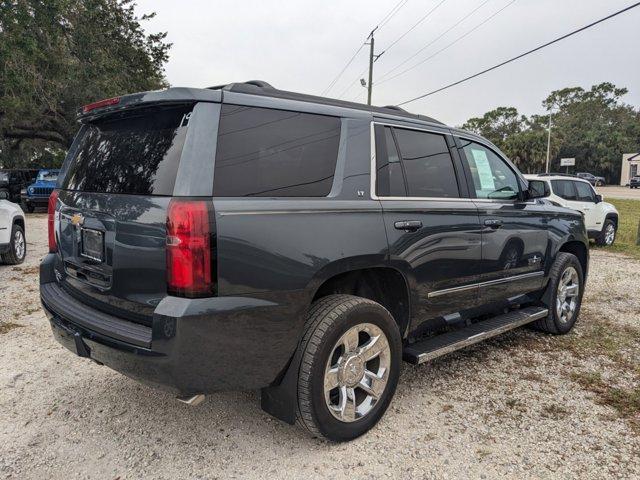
<point x="439" y="345"/>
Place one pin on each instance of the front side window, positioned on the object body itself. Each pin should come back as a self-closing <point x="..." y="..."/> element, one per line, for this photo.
<point x="585" y="192"/>
<point x="275" y="153"/>
<point x="428" y="166"/>
<point x="492" y="177"/>
<point x="564" y="189"/>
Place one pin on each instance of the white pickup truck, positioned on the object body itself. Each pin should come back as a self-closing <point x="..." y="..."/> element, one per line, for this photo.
<point x="13" y="243"/>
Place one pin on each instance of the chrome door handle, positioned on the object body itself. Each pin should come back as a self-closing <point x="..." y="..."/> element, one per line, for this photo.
<point x="408" y="225"/>
<point x="493" y="222"/>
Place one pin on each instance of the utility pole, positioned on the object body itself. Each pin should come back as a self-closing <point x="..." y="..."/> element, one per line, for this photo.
<point x="372" y="58"/>
<point x="548" y="143"/>
<point x="370" y="83"/>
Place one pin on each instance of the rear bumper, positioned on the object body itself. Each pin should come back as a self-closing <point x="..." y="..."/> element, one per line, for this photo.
<point x="194" y="345"/>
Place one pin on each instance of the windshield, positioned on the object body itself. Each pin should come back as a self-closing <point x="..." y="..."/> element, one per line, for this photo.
<point x="4" y="176"/>
<point x="48" y="176"/>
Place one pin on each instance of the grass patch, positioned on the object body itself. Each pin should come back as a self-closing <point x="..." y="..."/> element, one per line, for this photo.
<point x="627" y="228"/>
<point x="6" y="327"/>
<point x="602" y="337"/>
<point x="626" y="401"/>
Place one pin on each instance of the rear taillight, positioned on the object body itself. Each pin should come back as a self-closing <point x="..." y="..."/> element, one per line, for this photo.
<point x="190" y="262"/>
<point x="51" y="214"/>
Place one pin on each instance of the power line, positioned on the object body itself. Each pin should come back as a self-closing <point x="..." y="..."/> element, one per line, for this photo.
<point x="434" y="40"/>
<point x="391" y="13"/>
<point x="383" y="22"/>
<point x="608" y="17"/>
<point x="424" y="17"/>
<point x="449" y="45"/>
<point x="427" y="15"/>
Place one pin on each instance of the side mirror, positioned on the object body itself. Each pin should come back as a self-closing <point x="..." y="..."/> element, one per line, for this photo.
<point x="537" y="189"/>
<point x="598" y="198"/>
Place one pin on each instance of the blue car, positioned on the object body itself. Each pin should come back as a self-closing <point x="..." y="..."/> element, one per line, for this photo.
<point x="37" y="194"/>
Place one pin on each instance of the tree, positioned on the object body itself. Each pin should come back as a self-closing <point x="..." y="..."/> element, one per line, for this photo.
<point x="57" y="55"/>
<point x="593" y="126"/>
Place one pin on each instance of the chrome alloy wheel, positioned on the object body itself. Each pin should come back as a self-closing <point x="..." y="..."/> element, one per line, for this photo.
<point x="19" y="244"/>
<point x="609" y="234"/>
<point x="567" y="295"/>
<point x="357" y="372"/>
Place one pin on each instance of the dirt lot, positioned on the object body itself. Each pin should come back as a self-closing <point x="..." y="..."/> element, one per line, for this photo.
<point x="522" y="406"/>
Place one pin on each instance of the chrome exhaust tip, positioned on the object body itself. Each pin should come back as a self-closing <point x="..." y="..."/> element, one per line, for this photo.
<point x="192" y="400"/>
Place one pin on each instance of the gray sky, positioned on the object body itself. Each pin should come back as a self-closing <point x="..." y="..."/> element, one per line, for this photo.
<point x="302" y="45"/>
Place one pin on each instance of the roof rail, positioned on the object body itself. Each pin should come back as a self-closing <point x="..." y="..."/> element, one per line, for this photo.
<point x="260" y="87"/>
<point x="395" y="107"/>
<point x="253" y="83"/>
<point x="556" y="174"/>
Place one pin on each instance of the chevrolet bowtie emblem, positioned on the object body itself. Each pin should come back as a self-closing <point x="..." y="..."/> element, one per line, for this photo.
<point x="77" y="219"/>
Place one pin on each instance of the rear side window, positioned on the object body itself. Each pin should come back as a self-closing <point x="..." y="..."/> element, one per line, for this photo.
<point x="564" y="189"/>
<point x="427" y="163"/>
<point x="135" y="154"/>
<point x="275" y="153"/>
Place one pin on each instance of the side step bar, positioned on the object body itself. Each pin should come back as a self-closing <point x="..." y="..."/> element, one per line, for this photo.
<point x="439" y="345"/>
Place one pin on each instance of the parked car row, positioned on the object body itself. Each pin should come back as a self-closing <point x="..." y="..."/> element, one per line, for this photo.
<point x="31" y="187"/>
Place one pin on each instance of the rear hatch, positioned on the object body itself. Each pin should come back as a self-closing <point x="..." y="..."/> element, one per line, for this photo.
<point x="117" y="185"/>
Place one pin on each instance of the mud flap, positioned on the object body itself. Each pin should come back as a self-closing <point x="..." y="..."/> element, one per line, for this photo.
<point x="281" y="401"/>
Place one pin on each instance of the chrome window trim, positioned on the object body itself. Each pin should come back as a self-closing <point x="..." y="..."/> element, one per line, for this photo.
<point x="497" y="281"/>
<point x="372" y="186"/>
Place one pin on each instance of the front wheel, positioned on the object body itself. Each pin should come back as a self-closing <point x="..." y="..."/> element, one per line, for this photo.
<point x="350" y="366"/>
<point x="608" y="234"/>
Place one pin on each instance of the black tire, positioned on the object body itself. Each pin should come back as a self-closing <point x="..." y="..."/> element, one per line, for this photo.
<point x="31" y="208"/>
<point x="4" y="194"/>
<point x="15" y="255"/>
<point x="601" y="239"/>
<point x="553" y="323"/>
<point x="328" y="319"/>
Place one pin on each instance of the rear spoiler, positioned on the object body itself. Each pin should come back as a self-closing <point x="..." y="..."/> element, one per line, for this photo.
<point x="144" y="99"/>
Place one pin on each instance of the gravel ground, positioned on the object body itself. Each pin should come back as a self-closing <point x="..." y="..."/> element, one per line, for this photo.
<point x="615" y="191"/>
<point x="525" y="405"/>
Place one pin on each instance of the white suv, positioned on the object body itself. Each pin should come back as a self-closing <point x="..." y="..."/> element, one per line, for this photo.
<point x="13" y="243"/>
<point x="600" y="218"/>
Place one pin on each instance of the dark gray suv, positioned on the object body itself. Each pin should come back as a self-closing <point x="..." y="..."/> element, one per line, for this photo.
<point x="244" y="237"/>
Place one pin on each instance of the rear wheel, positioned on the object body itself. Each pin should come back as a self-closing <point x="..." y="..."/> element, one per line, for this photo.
<point x="566" y="286"/>
<point x="4" y="194"/>
<point x="350" y="366"/>
<point x="17" y="247"/>
<point x="608" y="234"/>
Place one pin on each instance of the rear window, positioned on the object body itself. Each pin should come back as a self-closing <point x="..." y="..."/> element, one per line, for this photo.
<point x="275" y="153"/>
<point x="4" y="176"/>
<point x="135" y="154"/>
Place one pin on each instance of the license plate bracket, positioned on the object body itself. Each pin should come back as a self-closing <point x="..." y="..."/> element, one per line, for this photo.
<point x="92" y="244"/>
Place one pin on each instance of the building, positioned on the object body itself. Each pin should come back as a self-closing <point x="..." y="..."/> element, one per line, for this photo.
<point x="630" y="167"/>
